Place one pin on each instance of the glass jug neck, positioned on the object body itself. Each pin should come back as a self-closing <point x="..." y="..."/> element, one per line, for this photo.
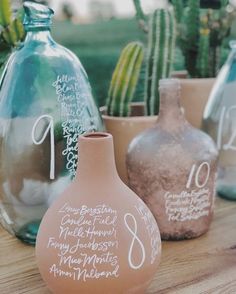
<point x="43" y="36"/>
<point x="170" y="110"/>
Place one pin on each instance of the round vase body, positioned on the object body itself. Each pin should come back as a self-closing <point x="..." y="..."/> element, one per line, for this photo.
<point x="172" y="167"/>
<point x="219" y="121"/>
<point x="98" y="237"/>
<point x="45" y="103"/>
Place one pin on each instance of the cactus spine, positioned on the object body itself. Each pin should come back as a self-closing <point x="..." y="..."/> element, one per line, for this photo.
<point x="124" y="80"/>
<point x="161" y="41"/>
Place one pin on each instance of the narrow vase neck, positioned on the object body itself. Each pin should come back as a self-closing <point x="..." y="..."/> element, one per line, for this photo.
<point x="39" y="36"/>
<point x="170" y="112"/>
<point x="96" y="161"/>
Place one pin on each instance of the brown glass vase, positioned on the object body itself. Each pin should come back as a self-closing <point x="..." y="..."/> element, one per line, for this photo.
<point x="98" y="237"/>
<point x="172" y="167"/>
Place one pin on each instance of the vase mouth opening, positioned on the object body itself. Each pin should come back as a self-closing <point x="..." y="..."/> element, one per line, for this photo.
<point x="37" y="16"/>
<point x="171" y="83"/>
<point x="96" y="135"/>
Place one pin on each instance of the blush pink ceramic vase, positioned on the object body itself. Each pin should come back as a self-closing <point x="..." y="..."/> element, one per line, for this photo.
<point x="98" y="237"/>
<point x="172" y="167"/>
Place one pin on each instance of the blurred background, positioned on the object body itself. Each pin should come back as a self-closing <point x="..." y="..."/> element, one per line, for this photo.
<point x="97" y="30"/>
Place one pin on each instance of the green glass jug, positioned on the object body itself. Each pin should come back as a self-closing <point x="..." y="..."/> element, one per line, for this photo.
<point x="45" y="104"/>
<point x="219" y="121"/>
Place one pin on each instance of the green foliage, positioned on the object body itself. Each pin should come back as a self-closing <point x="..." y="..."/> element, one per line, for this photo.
<point x="5" y="13"/>
<point x="201" y="33"/>
<point x="124" y="80"/>
<point x="161" y="43"/>
<point x="11" y="30"/>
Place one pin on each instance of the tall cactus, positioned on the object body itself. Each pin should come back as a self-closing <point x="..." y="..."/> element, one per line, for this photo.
<point x="160" y="53"/>
<point x="161" y="44"/>
<point x="202" y="33"/>
<point x="124" y="80"/>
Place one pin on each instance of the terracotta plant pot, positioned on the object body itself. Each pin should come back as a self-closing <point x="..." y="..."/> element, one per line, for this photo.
<point x="124" y="129"/>
<point x="99" y="236"/>
<point x="194" y="96"/>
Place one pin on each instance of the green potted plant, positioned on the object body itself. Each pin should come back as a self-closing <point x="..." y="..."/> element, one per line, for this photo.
<point x="123" y="119"/>
<point x="202" y="27"/>
<point x="201" y="32"/>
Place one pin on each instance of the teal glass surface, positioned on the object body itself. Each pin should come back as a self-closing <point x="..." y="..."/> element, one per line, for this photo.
<point x="45" y="103"/>
<point x="219" y="121"/>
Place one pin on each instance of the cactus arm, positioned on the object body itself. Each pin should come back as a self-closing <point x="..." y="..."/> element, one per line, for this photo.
<point x="159" y="58"/>
<point x="9" y="35"/>
<point x="124" y="80"/>
<point x="192" y="36"/>
<point x="141" y="17"/>
<point x="5" y="13"/>
<point x="178" y="8"/>
<point x="19" y="29"/>
<point x="150" y="52"/>
<point x="158" y="62"/>
<point x="172" y="43"/>
<point x="203" y="57"/>
<point x="116" y="82"/>
<point x="130" y="81"/>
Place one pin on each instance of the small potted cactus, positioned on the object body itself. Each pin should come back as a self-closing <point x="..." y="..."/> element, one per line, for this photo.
<point x="202" y="27"/>
<point x="124" y="119"/>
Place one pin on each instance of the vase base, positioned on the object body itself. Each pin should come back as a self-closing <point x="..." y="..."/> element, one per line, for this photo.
<point x="227" y="192"/>
<point x="28" y="232"/>
<point x="183" y="236"/>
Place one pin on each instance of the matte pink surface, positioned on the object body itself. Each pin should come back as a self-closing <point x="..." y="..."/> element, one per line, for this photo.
<point x="99" y="237"/>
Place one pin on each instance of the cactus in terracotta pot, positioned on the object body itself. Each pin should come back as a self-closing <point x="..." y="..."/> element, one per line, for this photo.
<point x="124" y="80"/>
<point x="202" y="28"/>
<point x="157" y="64"/>
<point x="161" y="30"/>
